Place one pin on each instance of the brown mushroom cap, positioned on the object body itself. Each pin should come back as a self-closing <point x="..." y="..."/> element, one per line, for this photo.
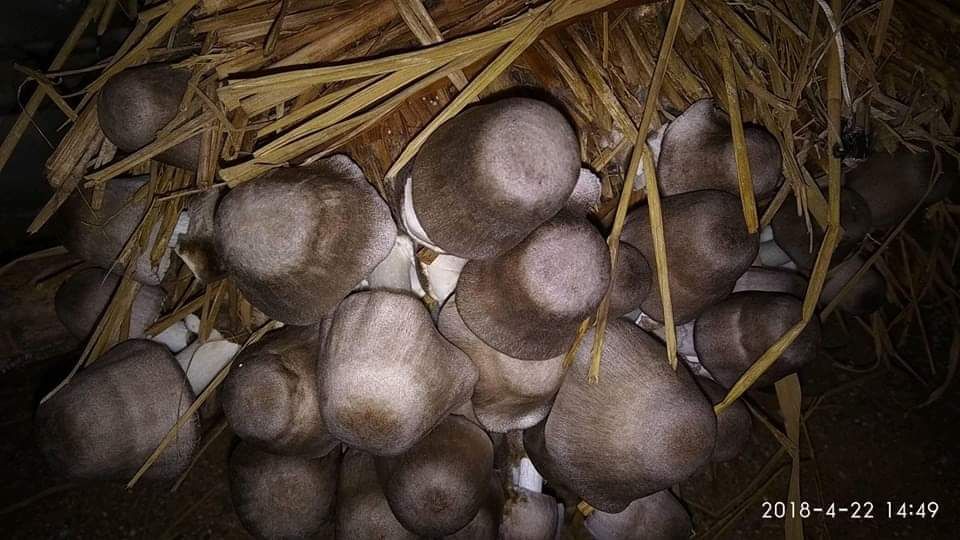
<point x="486" y="523"/>
<point x="780" y="280"/>
<point x="528" y="302"/>
<point x="282" y="496"/>
<point x="864" y="297"/>
<point x="135" y="104"/>
<point x="492" y="174"/>
<point x="708" y="249"/>
<point x="632" y="280"/>
<point x="270" y="396"/>
<point x="386" y="376"/>
<point x="298" y="240"/>
<point x="109" y="419"/>
<point x="731" y="335"/>
<point x="642" y="428"/>
<point x="659" y="516"/>
<point x="530" y="516"/>
<point x="362" y="508"/>
<point x="510" y="393"/>
<point x="82" y="299"/>
<point x="791" y="234"/>
<point x="437" y="487"/>
<point x="733" y="424"/>
<point x="697" y="153"/>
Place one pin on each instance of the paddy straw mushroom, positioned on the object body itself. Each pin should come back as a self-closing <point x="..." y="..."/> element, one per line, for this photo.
<point x="282" y="496"/>
<point x="437" y="486"/>
<point x="386" y="376"/>
<point x="733" y="424"/>
<point x="486" y="524"/>
<point x="298" y="240"/>
<point x="642" y="428"/>
<point x="659" y="516"/>
<point x="864" y="296"/>
<point x="791" y="234"/>
<point x="781" y="280"/>
<point x="485" y="179"/>
<point x="362" y="508"/>
<point x="529" y="515"/>
<point x="528" y="302"/>
<point x="196" y="246"/>
<point x="137" y="103"/>
<point x="106" y="422"/>
<point x="82" y="299"/>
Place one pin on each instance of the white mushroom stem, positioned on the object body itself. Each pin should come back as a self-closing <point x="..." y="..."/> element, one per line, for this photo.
<point x="410" y="220"/>
<point x="525" y="475"/>
<point x="176" y="337"/>
<point x="442" y="276"/>
<point x="202" y="361"/>
<point x="394" y="272"/>
<point x="685" y="339"/>
<point x="771" y="255"/>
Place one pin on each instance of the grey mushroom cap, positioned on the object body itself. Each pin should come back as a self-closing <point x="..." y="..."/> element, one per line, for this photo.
<point x="632" y="280"/>
<point x="530" y="516"/>
<point x="864" y="297"/>
<point x="731" y="335"/>
<point x="135" y="104"/>
<point x="659" y="516"/>
<point x="642" y="428"/>
<point x="270" y="396"/>
<point x="82" y="299"/>
<point x="282" y="496"/>
<point x="486" y="524"/>
<point x="528" y="302"/>
<point x="362" y="508"/>
<point x="780" y="280"/>
<point x="298" y="240"/>
<point x="386" y="376"/>
<point x="486" y="178"/>
<point x="99" y="236"/>
<point x="510" y="393"/>
<point x="106" y="422"/>
<point x="697" y="153"/>
<point x="437" y="487"/>
<point x="734" y="424"/>
<point x="791" y="234"/>
<point x="708" y="249"/>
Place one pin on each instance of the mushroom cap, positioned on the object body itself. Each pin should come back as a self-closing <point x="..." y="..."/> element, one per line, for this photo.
<point x="510" y="393"/>
<point x="697" y="153"/>
<point x="530" y="516"/>
<point x="135" y="104"/>
<point x="437" y="487"/>
<point x="642" y="428"/>
<point x="586" y="194"/>
<point x="82" y="299"/>
<point x="528" y="302"/>
<point x="492" y="174"/>
<point x="98" y="236"/>
<point x="110" y="418"/>
<point x="282" y="496"/>
<point x="659" y="516"/>
<point x="485" y="525"/>
<point x="386" y="376"/>
<point x="631" y="281"/>
<point x="270" y="396"/>
<point x="734" y="424"/>
<point x="780" y="280"/>
<point x="864" y="297"/>
<point x="708" y="249"/>
<point x="362" y="508"/>
<point x="791" y="234"/>
<point x="297" y="240"/>
<point x="731" y="335"/>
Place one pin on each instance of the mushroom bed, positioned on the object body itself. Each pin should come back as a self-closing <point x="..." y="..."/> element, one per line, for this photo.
<point x="501" y="321"/>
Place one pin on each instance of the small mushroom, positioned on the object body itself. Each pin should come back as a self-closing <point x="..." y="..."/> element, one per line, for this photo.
<point x="485" y="179"/>
<point x="135" y="104"/>
<point x="659" y="516"/>
<point x="632" y="280"/>
<point x="758" y="278"/>
<point x="386" y="376"/>
<point x="106" y="422"/>
<point x="697" y="153"/>
<point x="733" y="424"/>
<point x="437" y="486"/>
<point x="298" y="240"/>
<point x="196" y="246"/>
<point x="529" y="515"/>
<point x="731" y="335"/>
<point x="510" y="393"/>
<point x="282" y="496"/>
<point x="362" y="508"/>
<point x="642" y="428"/>
<point x="270" y="396"/>
<point x="528" y="302"/>
<point x="586" y="194"/>
<point x="82" y="299"/>
<point x="708" y="249"/>
<point x="791" y="234"/>
<point x="486" y="524"/>
<point x="864" y="297"/>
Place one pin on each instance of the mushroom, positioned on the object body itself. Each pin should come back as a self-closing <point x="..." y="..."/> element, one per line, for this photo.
<point x="270" y="396"/>
<point x="486" y="524"/>
<point x="642" y="428"/>
<point x="708" y="249"/>
<point x="99" y="236"/>
<point x="137" y="103"/>
<point x="196" y="246"/>
<point x="697" y="153"/>
<point x="528" y="302"/>
<point x="106" y="422"/>
<point x="82" y="299"/>
<point x="631" y="281"/>
<point x="386" y="376"/>
<point x="282" y="496"/>
<point x="791" y="234"/>
<point x="510" y="393"/>
<point x="659" y="516"/>
<point x="586" y="194"/>
<point x="529" y="515"/>
<point x="362" y="508"/>
<point x="758" y="278"/>
<point x="733" y="424"/>
<point x="298" y="240"/>
<point x="731" y="335"/>
<point x="864" y="297"/>
<point x="485" y="179"/>
<point x="437" y="486"/>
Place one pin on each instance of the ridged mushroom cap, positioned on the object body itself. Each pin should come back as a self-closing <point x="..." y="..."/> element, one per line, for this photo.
<point x="298" y="240"/>
<point x="642" y="428"/>
<point x="82" y="299"/>
<point x="106" y="422"/>
<point x="659" y="516"/>
<point x="362" y="508"/>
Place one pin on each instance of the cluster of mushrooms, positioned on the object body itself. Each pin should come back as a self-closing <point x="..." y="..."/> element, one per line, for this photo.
<point x="407" y="399"/>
